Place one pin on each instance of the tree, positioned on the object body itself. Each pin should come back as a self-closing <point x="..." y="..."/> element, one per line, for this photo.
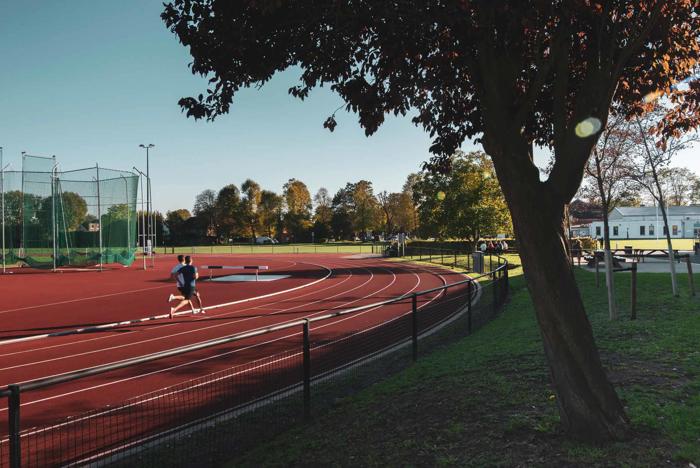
<point x="512" y="74"/>
<point x="365" y="214"/>
<point x="250" y="204"/>
<point x="297" y="219"/>
<point x="323" y="214"/>
<point x="607" y="175"/>
<point x="177" y="222"/>
<point x="680" y="183"/>
<point x="228" y="212"/>
<point x="70" y="211"/>
<point x="205" y="209"/>
<point x="655" y="153"/>
<point x="270" y="211"/>
<point x="467" y="203"/>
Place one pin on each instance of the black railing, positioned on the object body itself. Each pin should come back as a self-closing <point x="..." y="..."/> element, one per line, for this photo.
<point x="229" y="405"/>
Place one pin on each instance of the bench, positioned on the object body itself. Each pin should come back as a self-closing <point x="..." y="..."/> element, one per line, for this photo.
<point x="600" y="256"/>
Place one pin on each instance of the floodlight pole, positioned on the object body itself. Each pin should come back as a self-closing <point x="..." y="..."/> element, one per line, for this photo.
<point x="99" y="212"/>
<point x="143" y="221"/>
<point x="149" y="208"/>
<point x="2" y="189"/>
<point x="53" y="210"/>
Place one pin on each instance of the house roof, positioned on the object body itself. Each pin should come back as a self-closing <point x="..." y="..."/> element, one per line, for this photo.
<point x="693" y="210"/>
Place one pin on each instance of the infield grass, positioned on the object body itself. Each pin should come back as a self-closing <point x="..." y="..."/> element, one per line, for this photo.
<point x="486" y="400"/>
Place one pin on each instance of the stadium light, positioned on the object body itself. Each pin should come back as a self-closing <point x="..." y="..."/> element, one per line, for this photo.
<point x="149" y="208"/>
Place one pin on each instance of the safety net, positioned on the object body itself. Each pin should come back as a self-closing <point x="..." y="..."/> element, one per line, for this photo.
<point x="54" y="218"/>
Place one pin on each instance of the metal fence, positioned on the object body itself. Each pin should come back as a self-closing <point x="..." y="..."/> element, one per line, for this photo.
<point x="207" y="418"/>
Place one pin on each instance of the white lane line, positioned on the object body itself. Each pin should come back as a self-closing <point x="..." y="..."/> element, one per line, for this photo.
<point x="121" y="293"/>
<point x="254" y="345"/>
<point x="155" y="317"/>
<point x="325" y="299"/>
<point x="210" y="357"/>
<point x="82" y="341"/>
<point x="197" y="330"/>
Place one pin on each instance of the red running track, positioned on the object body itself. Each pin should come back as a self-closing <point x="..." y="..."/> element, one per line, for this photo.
<point x="50" y="303"/>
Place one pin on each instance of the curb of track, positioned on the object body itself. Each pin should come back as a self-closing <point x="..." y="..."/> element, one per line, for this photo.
<point x="107" y="326"/>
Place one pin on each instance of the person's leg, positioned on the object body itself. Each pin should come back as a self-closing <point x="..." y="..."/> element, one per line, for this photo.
<point x="179" y="306"/>
<point x="199" y="302"/>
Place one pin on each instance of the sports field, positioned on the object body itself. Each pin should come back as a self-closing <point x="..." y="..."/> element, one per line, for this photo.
<point x="678" y="244"/>
<point x="306" y="248"/>
<point x="60" y="323"/>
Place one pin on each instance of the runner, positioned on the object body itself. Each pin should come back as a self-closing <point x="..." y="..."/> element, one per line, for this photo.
<point x="188" y="277"/>
<point x="174" y="274"/>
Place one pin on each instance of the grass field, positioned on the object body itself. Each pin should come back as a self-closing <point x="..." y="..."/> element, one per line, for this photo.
<point x="678" y="244"/>
<point x="350" y="248"/>
<point x="486" y="400"/>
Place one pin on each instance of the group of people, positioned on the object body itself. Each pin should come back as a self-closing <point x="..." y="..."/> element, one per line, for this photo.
<point x="493" y="247"/>
<point x="185" y="275"/>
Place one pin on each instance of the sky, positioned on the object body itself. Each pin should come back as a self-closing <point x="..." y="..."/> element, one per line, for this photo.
<point x="89" y="81"/>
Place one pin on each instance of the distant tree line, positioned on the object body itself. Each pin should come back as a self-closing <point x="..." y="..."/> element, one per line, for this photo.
<point x="464" y="204"/>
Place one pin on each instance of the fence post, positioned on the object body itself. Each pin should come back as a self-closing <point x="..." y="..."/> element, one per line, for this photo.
<point x="13" y="415"/>
<point x="469" y="307"/>
<point x="442" y="257"/>
<point x="690" y="276"/>
<point x="597" y="269"/>
<point x="633" y="292"/>
<point x="414" y="325"/>
<point x="455" y="267"/>
<point x="307" y="371"/>
<point x="495" y="292"/>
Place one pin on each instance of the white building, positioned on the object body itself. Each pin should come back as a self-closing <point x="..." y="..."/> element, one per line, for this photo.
<point x="647" y="222"/>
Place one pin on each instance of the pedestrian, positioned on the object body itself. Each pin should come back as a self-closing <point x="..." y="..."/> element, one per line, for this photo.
<point x="188" y="276"/>
<point x="174" y="274"/>
<point x="482" y="246"/>
<point x="504" y="246"/>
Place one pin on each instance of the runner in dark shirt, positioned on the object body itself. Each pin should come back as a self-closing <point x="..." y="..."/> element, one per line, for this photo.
<point x="187" y="277"/>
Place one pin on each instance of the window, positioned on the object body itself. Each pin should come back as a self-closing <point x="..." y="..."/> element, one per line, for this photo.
<point x="616" y="231"/>
<point x="674" y="230"/>
<point x="665" y="230"/>
<point x="597" y="231"/>
<point x="641" y="230"/>
<point x="651" y="229"/>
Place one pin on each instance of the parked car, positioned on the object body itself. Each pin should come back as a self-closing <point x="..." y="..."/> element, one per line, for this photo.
<point x="265" y="240"/>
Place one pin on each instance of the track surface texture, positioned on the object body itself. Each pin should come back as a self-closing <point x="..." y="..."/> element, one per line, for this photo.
<point x="36" y="304"/>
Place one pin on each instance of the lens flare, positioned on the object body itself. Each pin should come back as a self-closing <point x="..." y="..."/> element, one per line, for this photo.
<point x="587" y="127"/>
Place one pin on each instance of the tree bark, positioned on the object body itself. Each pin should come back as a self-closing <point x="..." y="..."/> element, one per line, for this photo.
<point x="588" y="405"/>
<point x="669" y="244"/>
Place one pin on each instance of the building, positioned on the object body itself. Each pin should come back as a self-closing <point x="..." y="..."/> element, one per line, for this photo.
<point x="647" y="222"/>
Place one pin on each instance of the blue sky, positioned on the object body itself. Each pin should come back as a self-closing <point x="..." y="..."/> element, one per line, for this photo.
<point x="89" y="81"/>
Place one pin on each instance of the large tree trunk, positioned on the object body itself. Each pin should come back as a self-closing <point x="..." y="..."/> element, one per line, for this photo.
<point x="588" y="405"/>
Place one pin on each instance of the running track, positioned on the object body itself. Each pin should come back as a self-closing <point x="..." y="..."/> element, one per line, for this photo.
<point x="46" y="303"/>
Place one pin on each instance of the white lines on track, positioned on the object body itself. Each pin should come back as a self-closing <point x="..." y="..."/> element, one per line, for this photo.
<point x="325" y="299"/>
<point x="233" y="351"/>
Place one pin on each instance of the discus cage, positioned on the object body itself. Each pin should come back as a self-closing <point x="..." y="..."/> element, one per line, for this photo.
<point x="55" y="219"/>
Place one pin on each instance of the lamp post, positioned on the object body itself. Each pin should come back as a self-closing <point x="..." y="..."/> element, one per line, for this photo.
<point x="151" y="228"/>
<point x="143" y="220"/>
<point x="2" y="190"/>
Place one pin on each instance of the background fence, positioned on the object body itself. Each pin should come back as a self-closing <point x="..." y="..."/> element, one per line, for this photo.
<point x="200" y="421"/>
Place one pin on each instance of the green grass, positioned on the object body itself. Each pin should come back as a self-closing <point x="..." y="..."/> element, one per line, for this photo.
<point x="679" y="244"/>
<point x="350" y="248"/>
<point x="486" y="400"/>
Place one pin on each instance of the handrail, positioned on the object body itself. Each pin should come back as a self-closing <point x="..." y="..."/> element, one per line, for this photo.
<point x="75" y="375"/>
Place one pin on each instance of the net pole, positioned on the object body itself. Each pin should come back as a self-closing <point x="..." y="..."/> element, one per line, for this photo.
<point x="128" y="215"/>
<point x="2" y="190"/>
<point x="99" y="212"/>
<point x="53" y="210"/>
<point x="143" y="225"/>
